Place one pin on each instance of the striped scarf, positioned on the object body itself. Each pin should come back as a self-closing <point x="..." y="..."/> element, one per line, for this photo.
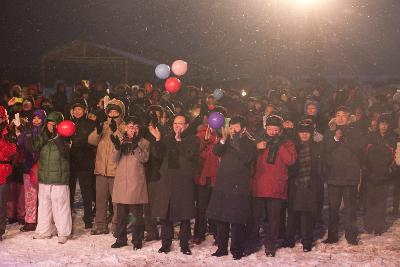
<point x="304" y="159"/>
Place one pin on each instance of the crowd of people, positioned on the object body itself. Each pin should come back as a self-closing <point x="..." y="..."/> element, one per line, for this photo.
<point x="146" y="158"/>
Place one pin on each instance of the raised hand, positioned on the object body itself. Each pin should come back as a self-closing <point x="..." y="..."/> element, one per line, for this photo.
<point x="155" y="132"/>
<point x="113" y="125"/>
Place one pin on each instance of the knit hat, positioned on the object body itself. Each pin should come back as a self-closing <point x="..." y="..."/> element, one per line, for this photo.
<point x="343" y="108"/>
<point x="385" y="117"/>
<point x="133" y="120"/>
<point x="55" y="116"/>
<point x="305" y="126"/>
<point x="79" y="102"/>
<point x="39" y="113"/>
<point x="274" y="120"/>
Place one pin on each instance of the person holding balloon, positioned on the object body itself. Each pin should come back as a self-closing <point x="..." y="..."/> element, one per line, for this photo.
<point x="82" y="158"/>
<point x="54" y="211"/>
<point x="229" y="205"/>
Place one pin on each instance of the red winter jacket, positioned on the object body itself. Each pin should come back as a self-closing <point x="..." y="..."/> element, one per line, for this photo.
<point x="7" y="151"/>
<point x="271" y="180"/>
<point x="209" y="162"/>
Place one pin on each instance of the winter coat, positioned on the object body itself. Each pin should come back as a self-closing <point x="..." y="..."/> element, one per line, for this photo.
<point x="379" y="156"/>
<point x="82" y="154"/>
<point x="7" y="151"/>
<point x="174" y="192"/>
<point x="271" y="180"/>
<point x="209" y="162"/>
<point x="25" y="142"/>
<point x="342" y="159"/>
<point x="303" y="194"/>
<point x="230" y="199"/>
<point x="54" y="155"/>
<point x="153" y="165"/>
<point x="130" y="180"/>
<point x="104" y="165"/>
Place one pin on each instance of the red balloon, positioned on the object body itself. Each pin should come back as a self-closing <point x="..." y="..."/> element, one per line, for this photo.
<point x="66" y="128"/>
<point x="172" y="85"/>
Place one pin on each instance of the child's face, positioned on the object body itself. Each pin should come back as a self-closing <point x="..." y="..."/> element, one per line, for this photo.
<point x="36" y="121"/>
<point x="50" y="126"/>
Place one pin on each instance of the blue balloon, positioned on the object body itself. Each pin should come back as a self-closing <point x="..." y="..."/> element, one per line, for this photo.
<point x="162" y="71"/>
<point x="218" y="94"/>
<point x="216" y="120"/>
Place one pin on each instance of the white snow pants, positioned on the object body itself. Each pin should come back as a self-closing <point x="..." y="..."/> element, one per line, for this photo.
<point x="54" y="208"/>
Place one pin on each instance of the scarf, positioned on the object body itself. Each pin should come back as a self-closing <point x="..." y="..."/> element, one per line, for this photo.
<point x="304" y="160"/>
<point x="173" y="153"/>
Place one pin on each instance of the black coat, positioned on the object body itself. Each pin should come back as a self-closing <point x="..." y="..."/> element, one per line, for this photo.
<point x="303" y="194"/>
<point x="230" y="199"/>
<point x="174" y="192"/>
<point x="379" y="156"/>
<point x="342" y="164"/>
<point x="82" y="154"/>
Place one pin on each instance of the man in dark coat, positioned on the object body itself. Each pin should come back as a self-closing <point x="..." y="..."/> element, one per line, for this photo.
<point x="82" y="156"/>
<point x="229" y="205"/>
<point x="379" y="160"/>
<point x="304" y="180"/>
<point x="175" y="194"/>
<point x="342" y="152"/>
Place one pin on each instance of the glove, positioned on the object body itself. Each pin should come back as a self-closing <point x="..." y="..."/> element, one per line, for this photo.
<point x="11" y="137"/>
<point x="113" y="125"/>
<point x="115" y="141"/>
<point x="99" y="127"/>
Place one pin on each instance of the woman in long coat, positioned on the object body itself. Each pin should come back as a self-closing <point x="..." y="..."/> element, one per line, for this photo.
<point x="130" y="188"/>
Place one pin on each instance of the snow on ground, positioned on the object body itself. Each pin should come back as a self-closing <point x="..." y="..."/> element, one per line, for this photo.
<point x="19" y="249"/>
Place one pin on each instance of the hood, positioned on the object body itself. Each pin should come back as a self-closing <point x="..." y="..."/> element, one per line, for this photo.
<point x="40" y="113"/>
<point x="309" y="102"/>
<point x="3" y="114"/>
<point x="55" y="116"/>
<point x="118" y="103"/>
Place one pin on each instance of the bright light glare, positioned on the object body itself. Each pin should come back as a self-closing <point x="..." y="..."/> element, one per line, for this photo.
<point x="307" y="2"/>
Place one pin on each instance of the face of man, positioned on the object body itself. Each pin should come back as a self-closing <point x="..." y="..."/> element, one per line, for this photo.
<point x="132" y="129"/>
<point x="304" y="136"/>
<point x="342" y="117"/>
<point x="113" y="113"/>
<point x="383" y="128"/>
<point x="273" y="130"/>
<point x="36" y="121"/>
<point x="311" y="110"/>
<point x="50" y="126"/>
<point x="235" y="129"/>
<point x="26" y="105"/>
<point x="180" y="124"/>
<point x="78" y="112"/>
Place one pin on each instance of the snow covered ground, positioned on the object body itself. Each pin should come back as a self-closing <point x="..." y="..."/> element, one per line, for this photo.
<point x="19" y="249"/>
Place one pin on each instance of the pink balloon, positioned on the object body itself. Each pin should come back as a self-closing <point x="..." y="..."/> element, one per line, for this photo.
<point x="179" y="67"/>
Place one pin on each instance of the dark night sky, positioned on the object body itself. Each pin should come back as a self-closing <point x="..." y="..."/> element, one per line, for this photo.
<point x="235" y="38"/>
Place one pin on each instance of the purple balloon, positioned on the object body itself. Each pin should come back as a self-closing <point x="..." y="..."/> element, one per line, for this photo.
<point x="216" y="120"/>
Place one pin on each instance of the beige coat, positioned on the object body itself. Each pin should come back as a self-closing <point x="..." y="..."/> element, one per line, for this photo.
<point x="104" y="165"/>
<point x="130" y="185"/>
